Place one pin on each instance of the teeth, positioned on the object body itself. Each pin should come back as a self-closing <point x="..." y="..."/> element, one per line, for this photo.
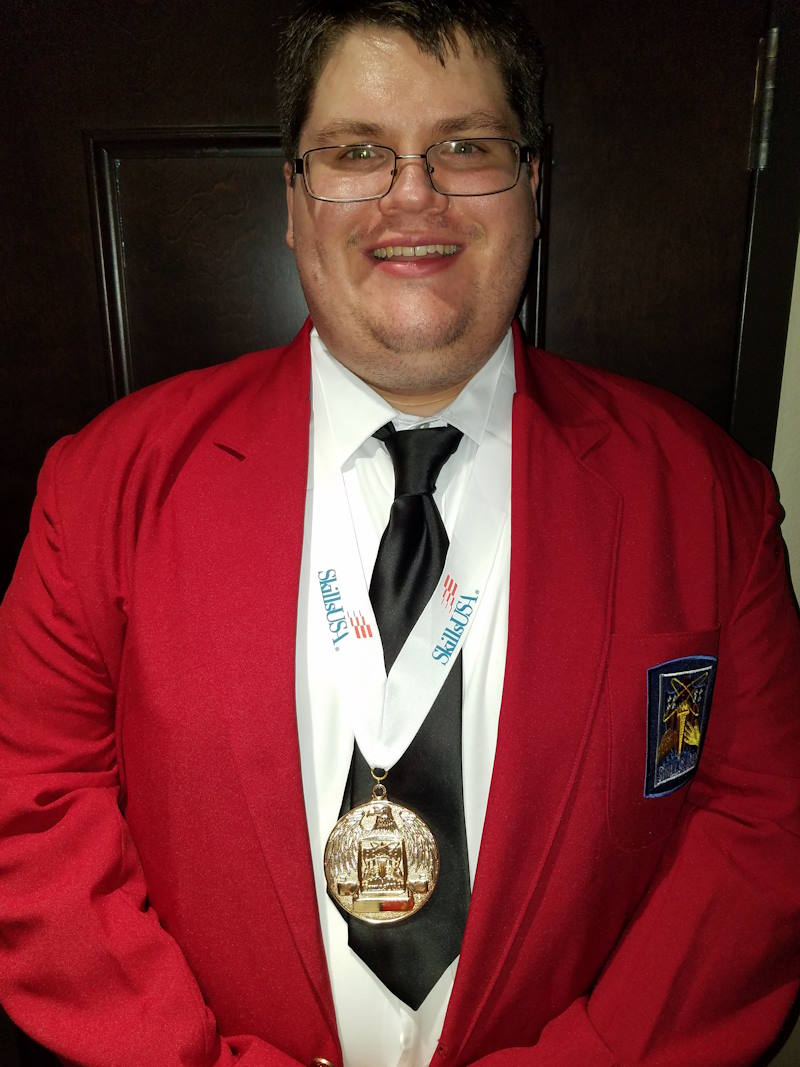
<point x="413" y="251"/>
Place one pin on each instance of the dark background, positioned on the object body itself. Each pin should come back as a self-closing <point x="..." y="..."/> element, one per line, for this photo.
<point x="143" y="210"/>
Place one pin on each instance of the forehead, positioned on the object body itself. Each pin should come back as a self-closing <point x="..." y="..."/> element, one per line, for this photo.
<point x="377" y="83"/>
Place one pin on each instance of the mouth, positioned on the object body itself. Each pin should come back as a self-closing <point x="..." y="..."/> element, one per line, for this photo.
<point x="413" y="251"/>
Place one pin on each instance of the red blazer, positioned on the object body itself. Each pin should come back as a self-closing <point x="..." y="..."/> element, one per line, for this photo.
<point x="156" y="888"/>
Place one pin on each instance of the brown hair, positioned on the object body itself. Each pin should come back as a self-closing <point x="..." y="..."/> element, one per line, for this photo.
<point x="498" y="30"/>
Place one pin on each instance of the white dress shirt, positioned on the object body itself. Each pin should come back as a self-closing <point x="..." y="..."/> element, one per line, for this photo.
<point x="377" y="1029"/>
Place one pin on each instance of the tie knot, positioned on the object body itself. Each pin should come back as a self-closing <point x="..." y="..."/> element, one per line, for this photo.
<point x="418" y="456"/>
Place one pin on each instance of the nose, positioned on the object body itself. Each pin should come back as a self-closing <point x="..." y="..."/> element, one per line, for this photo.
<point x="412" y="189"/>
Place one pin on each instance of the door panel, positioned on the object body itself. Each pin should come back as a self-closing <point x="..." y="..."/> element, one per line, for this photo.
<point x="192" y="262"/>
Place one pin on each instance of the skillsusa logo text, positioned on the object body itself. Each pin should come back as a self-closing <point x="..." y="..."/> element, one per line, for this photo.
<point x="334" y="612"/>
<point x="341" y="622"/>
<point x="454" y="631"/>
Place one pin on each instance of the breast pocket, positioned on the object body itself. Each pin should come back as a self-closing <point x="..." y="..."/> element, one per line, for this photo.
<point x="660" y="689"/>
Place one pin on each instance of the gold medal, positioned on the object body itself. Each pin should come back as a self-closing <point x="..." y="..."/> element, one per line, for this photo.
<point x="381" y="860"/>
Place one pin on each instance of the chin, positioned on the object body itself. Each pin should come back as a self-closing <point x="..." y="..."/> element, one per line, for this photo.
<point x="405" y="351"/>
<point x="420" y="363"/>
<point x="414" y="337"/>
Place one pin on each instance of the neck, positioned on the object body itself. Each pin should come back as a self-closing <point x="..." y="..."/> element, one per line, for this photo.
<point x="421" y="403"/>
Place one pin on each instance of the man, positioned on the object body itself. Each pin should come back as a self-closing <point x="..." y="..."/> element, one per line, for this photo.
<point x="190" y="646"/>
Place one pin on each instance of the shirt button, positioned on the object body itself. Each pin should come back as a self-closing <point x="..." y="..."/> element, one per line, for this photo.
<point x="407" y="1029"/>
<point x="320" y="1061"/>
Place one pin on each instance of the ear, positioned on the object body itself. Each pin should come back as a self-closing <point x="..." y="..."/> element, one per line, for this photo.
<point x="534" y="180"/>
<point x="534" y="165"/>
<point x="287" y="175"/>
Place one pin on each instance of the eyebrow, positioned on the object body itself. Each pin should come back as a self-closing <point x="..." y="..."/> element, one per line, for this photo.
<point x="335" y="131"/>
<point x="471" y="121"/>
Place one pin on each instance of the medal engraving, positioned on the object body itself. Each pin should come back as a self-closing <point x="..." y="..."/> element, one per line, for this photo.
<point x="381" y="862"/>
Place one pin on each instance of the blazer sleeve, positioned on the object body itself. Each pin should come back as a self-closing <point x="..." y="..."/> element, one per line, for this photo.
<point x="85" y="967"/>
<point x="707" y="969"/>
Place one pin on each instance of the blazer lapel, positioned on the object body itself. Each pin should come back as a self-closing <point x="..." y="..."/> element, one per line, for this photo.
<point x="565" y="531"/>
<point x="257" y="474"/>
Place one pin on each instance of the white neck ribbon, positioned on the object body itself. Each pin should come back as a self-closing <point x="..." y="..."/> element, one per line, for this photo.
<point x="386" y="712"/>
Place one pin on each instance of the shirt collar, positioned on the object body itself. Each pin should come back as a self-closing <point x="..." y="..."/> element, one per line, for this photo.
<point x="356" y="411"/>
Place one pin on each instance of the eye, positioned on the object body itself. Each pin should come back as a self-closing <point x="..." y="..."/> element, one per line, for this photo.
<point x="358" y="152"/>
<point x="464" y="148"/>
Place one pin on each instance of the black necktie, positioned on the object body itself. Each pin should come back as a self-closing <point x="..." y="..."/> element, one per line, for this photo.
<point x="410" y="957"/>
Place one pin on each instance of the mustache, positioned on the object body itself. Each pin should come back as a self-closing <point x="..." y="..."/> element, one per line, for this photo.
<point x="455" y="234"/>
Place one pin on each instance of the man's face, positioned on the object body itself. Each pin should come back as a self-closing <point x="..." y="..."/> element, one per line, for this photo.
<point x="423" y="324"/>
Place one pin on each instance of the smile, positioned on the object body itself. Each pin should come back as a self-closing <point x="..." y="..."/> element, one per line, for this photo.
<point x="414" y="251"/>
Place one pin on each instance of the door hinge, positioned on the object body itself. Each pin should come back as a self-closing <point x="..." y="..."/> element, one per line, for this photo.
<point x="763" y="96"/>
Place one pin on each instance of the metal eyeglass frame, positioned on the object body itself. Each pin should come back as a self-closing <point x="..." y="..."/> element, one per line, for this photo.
<point x="525" y="154"/>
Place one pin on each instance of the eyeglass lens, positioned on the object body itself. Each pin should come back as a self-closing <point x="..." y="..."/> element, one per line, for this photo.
<point x="474" y="167"/>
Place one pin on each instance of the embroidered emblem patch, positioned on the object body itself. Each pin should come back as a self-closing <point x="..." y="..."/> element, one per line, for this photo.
<point x="678" y="702"/>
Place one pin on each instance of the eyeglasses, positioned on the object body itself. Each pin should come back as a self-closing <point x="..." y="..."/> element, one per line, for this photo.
<point x="477" y="166"/>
